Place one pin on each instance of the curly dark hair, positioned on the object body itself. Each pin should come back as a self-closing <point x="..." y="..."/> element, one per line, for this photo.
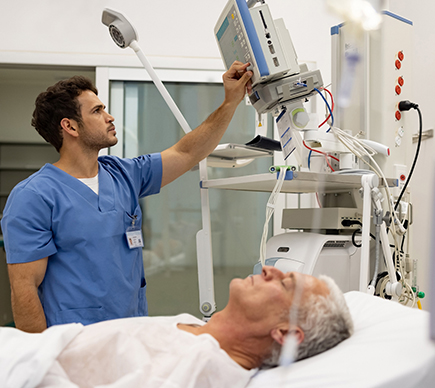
<point x="56" y="103"/>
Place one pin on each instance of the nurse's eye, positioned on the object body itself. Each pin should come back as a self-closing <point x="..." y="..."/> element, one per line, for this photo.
<point x="99" y="109"/>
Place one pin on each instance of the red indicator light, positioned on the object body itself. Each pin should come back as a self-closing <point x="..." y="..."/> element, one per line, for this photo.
<point x="400" y="81"/>
<point x="398" y="115"/>
<point x="400" y="55"/>
<point x="398" y="89"/>
<point x="398" y="64"/>
<point x="402" y="177"/>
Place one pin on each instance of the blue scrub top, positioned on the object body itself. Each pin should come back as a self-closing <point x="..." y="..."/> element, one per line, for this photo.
<point x="92" y="274"/>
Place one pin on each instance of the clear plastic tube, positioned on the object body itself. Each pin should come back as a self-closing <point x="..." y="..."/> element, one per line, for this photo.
<point x="270" y="208"/>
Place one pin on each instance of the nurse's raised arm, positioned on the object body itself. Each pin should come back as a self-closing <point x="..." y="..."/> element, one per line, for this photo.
<point x="199" y="143"/>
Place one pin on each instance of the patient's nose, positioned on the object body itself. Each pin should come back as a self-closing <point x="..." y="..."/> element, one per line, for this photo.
<point x="271" y="272"/>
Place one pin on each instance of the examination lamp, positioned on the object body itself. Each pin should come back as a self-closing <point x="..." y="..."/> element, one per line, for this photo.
<point x="124" y="35"/>
<point x="121" y="30"/>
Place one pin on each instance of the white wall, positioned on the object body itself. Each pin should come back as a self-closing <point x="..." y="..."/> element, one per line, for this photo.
<point x="71" y="32"/>
<point x="180" y="34"/>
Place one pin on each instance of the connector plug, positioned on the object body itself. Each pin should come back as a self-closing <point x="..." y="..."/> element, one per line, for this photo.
<point x="407" y="105"/>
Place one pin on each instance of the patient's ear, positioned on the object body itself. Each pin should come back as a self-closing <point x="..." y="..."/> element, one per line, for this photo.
<point x="279" y="334"/>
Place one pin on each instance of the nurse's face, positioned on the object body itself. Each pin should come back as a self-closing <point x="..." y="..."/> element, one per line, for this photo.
<point x="96" y="130"/>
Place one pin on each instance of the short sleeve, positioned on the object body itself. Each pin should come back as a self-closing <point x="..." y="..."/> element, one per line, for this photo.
<point x="26" y="226"/>
<point x="145" y="171"/>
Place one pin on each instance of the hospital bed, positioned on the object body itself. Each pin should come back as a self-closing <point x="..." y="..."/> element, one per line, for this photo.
<point x="390" y="348"/>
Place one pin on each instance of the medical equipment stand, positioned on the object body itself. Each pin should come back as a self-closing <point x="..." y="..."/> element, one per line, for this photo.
<point x="207" y="302"/>
<point x="124" y="35"/>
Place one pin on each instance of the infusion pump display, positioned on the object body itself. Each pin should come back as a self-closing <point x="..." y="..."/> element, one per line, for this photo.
<point x="251" y="35"/>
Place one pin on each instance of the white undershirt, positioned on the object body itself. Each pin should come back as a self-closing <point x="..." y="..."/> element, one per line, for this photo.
<point x="92" y="183"/>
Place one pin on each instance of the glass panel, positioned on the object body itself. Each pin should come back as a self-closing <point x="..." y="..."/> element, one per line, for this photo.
<point x="172" y="218"/>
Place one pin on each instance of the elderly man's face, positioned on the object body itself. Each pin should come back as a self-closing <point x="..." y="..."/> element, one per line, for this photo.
<point x="270" y="294"/>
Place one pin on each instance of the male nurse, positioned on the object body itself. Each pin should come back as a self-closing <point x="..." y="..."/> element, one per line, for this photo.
<point x="72" y="230"/>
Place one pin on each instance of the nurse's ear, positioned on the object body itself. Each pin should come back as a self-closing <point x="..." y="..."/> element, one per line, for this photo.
<point x="69" y="126"/>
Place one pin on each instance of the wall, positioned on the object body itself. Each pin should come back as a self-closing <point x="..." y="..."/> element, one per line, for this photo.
<point x="19" y="88"/>
<point x="421" y="184"/>
<point x="179" y="34"/>
<point x="71" y="32"/>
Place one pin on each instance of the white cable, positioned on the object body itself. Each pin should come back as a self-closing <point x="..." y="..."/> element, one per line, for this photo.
<point x="361" y="150"/>
<point x="407" y="294"/>
<point x="270" y="208"/>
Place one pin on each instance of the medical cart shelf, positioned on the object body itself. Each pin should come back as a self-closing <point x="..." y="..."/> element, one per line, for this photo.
<point x="301" y="182"/>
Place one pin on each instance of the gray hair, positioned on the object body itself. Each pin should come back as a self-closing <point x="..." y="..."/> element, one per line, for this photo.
<point x="325" y="321"/>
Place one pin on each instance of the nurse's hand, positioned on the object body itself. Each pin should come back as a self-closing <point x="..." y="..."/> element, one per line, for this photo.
<point x="237" y="82"/>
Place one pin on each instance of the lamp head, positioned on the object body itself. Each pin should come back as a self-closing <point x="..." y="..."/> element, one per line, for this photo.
<point x="120" y="29"/>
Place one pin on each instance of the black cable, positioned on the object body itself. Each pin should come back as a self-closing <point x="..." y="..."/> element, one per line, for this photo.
<point x="404" y="106"/>
<point x="360" y="231"/>
<point x="353" y="238"/>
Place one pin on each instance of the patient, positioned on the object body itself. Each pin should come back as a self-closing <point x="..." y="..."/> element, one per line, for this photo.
<point x="183" y="351"/>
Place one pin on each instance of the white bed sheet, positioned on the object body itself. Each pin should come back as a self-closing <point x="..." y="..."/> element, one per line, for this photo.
<point x="390" y="348"/>
<point x="25" y="358"/>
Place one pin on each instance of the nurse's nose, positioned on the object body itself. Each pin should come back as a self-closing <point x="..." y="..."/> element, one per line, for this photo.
<point x="109" y="118"/>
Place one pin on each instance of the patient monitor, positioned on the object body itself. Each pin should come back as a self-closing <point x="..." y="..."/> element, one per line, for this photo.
<point x="250" y="35"/>
<point x="246" y="32"/>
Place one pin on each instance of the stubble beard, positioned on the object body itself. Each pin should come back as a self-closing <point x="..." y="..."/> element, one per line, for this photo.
<point x="97" y="143"/>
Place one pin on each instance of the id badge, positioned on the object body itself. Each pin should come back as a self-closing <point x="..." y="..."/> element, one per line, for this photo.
<point x="134" y="236"/>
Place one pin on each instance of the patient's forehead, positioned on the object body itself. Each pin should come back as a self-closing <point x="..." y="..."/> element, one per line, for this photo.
<point x="309" y="283"/>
